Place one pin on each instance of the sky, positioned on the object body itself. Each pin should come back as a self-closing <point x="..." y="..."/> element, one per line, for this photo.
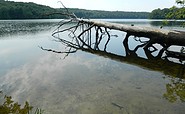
<point x="108" y="5"/>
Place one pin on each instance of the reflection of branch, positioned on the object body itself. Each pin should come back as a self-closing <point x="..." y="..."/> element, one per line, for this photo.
<point x="80" y="32"/>
<point x="154" y="63"/>
<point x="107" y="39"/>
<point x="79" y="36"/>
<point x="178" y="55"/>
<point x="58" y="51"/>
<point x="127" y="50"/>
<point x="139" y="46"/>
<point x="139" y="39"/>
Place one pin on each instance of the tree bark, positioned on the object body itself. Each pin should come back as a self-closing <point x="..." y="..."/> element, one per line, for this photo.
<point x="161" y="36"/>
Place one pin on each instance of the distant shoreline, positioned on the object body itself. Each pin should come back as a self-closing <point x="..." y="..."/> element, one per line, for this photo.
<point x="20" y="10"/>
<point x="10" y="10"/>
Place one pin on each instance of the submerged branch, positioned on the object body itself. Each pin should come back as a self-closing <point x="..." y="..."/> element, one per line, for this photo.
<point x="82" y="36"/>
<point x="66" y="52"/>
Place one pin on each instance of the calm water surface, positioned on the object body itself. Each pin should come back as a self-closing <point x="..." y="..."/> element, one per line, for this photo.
<point x="82" y="83"/>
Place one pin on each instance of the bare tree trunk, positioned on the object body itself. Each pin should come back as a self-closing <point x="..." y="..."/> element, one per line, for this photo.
<point x="160" y="36"/>
<point x="87" y="35"/>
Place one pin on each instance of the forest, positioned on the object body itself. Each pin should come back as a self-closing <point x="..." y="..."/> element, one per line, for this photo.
<point x="20" y="10"/>
<point x="170" y="13"/>
<point x="29" y="10"/>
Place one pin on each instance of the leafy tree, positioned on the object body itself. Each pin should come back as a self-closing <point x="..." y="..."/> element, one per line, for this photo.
<point x="11" y="107"/>
<point x="181" y="2"/>
<point x="170" y="13"/>
<point x="159" y="13"/>
<point x="176" y="13"/>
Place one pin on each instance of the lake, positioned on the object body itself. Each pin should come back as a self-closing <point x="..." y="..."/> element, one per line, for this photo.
<point x="86" y="83"/>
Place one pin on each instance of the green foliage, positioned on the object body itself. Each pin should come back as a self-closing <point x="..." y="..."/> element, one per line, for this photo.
<point x="159" y="14"/>
<point x="20" y="10"/>
<point x="181" y="2"/>
<point x="39" y="111"/>
<point x="171" y="13"/>
<point x="109" y="14"/>
<point x="176" y="13"/>
<point x="165" y="22"/>
<point x="175" y="91"/>
<point x="11" y="107"/>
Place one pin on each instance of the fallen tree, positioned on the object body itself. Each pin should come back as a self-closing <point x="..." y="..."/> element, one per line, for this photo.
<point x="164" y="37"/>
<point x="87" y="35"/>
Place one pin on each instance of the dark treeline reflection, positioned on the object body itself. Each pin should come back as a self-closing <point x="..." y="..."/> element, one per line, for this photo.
<point x="161" y="62"/>
<point x="168" y="23"/>
<point x="175" y="90"/>
<point x="158" y="56"/>
<point x="24" y="27"/>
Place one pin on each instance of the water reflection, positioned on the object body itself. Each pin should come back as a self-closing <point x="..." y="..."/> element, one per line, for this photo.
<point x="175" y="90"/>
<point x="81" y="84"/>
<point x="157" y="58"/>
<point x="13" y="27"/>
<point x="96" y="39"/>
<point x="90" y="84"/>
<point x="170" y="23"/>
<point x="9" y="106"/>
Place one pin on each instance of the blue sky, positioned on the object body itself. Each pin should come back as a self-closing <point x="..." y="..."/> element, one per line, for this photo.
<point x="110" y="5"/>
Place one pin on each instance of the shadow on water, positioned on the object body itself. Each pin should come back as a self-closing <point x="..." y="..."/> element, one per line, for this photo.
<point x="169" y="23"/>
<point x="174" y="90"/>
<point x="168" y="62"/>
<point x="164" y="60"/>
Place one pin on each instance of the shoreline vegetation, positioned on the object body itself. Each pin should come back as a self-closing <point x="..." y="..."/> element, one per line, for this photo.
<point x="28" y="10"/>
<point x="21" y="10"/>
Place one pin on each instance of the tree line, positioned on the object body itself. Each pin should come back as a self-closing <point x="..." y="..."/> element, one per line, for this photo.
<point x="170" y="13"/>
<point x="20" y="10"/>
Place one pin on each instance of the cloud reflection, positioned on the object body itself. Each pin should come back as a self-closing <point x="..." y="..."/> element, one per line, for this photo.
<point x="81" y="84"/>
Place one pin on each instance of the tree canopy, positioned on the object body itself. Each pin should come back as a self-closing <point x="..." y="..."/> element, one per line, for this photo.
<point x="181" y="2"/>
<point x="170" y="13"/>
<point x="20" y="10"/>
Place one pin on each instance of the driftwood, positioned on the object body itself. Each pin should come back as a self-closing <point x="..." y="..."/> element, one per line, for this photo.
<point x="163" y="37"/>
<point x="87" y="35"/>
